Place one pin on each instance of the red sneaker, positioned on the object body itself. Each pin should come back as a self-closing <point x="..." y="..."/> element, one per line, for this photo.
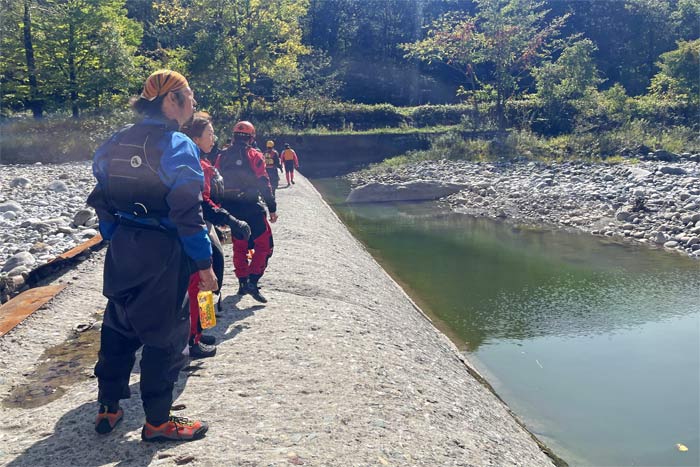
<point x="106" y="421"/>
<point x="176" y="428"/>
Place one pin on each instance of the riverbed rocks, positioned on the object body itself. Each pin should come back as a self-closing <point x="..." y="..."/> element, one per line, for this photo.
<point x="43" y="213"/>
<point x="653" y="201"/>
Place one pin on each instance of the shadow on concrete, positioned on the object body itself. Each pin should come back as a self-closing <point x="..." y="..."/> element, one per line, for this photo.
<point x="230" y="314"/>
<point x="74" y="440"/>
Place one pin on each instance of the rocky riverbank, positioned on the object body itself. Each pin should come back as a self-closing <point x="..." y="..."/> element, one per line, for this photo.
<point x="656" y="202"/>
<point x="42" y="214"/>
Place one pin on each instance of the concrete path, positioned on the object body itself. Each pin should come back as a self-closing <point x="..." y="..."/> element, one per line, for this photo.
<point x="338" y="369"/>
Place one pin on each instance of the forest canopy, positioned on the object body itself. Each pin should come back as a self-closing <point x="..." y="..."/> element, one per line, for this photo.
<point x="515" y="60"/>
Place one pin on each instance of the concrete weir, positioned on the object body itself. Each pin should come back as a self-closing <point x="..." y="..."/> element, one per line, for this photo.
<point x="340" y="368"/>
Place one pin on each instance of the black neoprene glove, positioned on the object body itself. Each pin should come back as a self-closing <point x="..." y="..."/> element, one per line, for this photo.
<point x="239" y="229"/>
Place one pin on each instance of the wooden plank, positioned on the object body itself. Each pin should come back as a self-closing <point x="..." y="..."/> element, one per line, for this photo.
<point x="18" y="308"/>
<point x="61" y="261"/>
<point x="80" y="248"/>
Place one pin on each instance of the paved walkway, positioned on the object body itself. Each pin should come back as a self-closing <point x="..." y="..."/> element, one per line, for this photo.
<point x="338" y="369"/>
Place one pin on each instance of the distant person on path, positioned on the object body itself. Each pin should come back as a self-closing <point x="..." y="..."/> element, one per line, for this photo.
<point x="201" y="131"/>
<point x="148" y="199"/>
<point x="291" y="162"/>
<point x="245" y="181"/>
<point x="272" y="165"/>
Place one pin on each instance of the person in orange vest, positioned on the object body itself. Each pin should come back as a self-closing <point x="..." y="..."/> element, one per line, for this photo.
<point x="291" y="162"/>
<point x="272" y="164"/>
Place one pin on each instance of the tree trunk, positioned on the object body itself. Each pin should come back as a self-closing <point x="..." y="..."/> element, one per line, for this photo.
<point x="500" y="111"/>
<point x="475" y="103"/>
<point x="72" y="75"/>
<point x="35" y="103"/>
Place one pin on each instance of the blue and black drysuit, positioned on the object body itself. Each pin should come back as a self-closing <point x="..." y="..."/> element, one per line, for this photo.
<point x="148" y="200"/>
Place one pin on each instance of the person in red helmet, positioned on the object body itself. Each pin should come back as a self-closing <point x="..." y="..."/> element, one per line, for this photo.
<point x="200" y="130"/>
<point x="246" y="181"/>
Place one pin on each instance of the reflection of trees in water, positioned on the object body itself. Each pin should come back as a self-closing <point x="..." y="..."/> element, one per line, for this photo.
<point x="578" y="307"/>
<point x="491" y="280"/>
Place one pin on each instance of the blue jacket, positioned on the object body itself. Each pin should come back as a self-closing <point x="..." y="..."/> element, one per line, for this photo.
<point x="181" y="172"/>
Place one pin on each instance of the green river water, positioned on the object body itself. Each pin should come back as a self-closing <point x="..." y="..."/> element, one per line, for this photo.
<point x="595" y="345"/>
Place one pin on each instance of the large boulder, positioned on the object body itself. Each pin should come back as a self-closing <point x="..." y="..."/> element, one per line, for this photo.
<point x="665" y="156"/>
<point x="669" y="170"/>
<point x="411" y="191"/>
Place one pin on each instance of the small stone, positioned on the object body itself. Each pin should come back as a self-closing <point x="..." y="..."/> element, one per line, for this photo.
<point x="20" y="182"/>
<point x="83" y="216"/>
<point x="57" y="186"/>
<point x="13" y="206"/>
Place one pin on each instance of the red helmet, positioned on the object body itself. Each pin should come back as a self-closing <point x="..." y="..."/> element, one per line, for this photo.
<point x="244" y="127"/>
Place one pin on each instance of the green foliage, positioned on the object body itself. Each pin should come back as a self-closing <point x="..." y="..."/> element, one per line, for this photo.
<point x="13" y="66"/>
<point x="240" y="48"/>
<point x="565" y="86"/>
<point x="284" y="64"/>
<point x="687" y="18"/>
<point x="87" y="51"/>
<point x="333" y="116"/>
<point x="523" y="144"/>
<point x="679" y="78"/>
<point x="430" y="115"/>
<point x="492" y="50"/>
<point x="293" y="115"/>
<point x="84" y="53"/>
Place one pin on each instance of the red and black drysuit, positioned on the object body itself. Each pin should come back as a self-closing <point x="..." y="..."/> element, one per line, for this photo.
<point x="245" y="181"/>
<point x="213" y="215"/>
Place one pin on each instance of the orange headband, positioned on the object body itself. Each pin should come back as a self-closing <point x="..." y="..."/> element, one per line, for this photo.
<point x="162" y="82"/>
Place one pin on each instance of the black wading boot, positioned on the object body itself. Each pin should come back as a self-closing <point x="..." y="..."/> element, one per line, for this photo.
<point x="201" y="350"/>
<point x="254" y="290"/>
<point x="242" y="286"/>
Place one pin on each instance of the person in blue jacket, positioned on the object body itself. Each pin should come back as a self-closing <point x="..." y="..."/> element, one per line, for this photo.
<point x="148" y="201"/>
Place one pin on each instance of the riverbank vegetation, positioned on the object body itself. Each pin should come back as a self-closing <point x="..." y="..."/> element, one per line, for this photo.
<point x="554" y="79"/>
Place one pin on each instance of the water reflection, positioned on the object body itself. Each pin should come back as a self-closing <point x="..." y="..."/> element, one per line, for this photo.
<point x="595" y="344"/>
<point x="487" y="280"/>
